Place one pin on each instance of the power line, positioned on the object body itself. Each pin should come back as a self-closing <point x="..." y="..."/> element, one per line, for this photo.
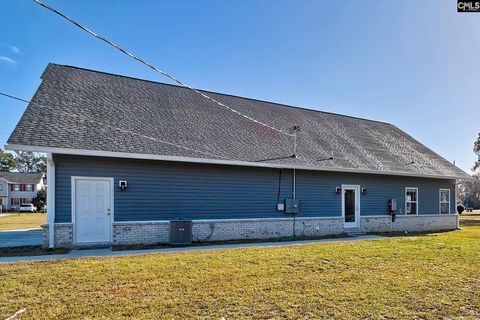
<point x="113" y="127"/>
<point x="151" y="66"/>
<point x="13" y="97"/>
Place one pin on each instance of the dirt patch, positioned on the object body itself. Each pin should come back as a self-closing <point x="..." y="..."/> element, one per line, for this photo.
<point x="215" y="243"/>
<point x="30" y="251"/>
<point x="409" y="233"/>
<point x="469" y="222"/>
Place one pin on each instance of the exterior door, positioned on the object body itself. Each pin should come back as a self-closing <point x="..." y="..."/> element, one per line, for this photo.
<point x="93" y="209"/>
<point x="351" y="206"/>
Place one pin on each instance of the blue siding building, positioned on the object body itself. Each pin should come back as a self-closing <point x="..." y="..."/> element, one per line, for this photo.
<point x="170" y="190"/>
<point x="127" y="156"/>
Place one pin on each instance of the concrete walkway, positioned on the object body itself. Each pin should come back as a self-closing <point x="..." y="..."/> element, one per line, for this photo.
<point x="80" y="253"/>
<point x="20" y="238"/>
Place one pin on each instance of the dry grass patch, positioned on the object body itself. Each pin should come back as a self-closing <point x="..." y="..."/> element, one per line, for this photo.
<point x="17" y="221"/>
<point x="427" y="277"/>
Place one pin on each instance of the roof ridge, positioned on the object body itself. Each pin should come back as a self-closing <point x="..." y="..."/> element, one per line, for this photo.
<point x="17" y="172"/>
<point x="16" y="177"/>
<point x="220" y="93"/>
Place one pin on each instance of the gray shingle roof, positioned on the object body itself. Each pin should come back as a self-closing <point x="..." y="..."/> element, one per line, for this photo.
<point x="18" y="177"/>
<point x="84" y="109"/>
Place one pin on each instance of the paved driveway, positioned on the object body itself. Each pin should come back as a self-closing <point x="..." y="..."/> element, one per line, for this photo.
<point x="20" y="238"/>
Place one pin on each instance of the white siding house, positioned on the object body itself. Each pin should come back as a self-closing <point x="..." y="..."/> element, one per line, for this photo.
<point x="17" y="188"/>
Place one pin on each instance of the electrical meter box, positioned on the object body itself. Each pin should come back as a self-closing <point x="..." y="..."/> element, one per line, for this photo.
<point x="292" y="206"/>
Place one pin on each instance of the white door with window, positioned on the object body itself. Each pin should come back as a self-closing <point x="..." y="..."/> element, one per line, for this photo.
<point x="351" y="206"/>
<point x="92" y="209"/>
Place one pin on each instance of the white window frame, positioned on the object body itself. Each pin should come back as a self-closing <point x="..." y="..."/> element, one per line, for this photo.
<point x="15" y="187"/>
<point x="417" y="202"/>
<point x="27" y="187"/>
<point x="440" y="201"/>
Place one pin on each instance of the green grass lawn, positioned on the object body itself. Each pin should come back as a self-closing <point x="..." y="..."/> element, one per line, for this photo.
<point x="414" y="277"/>
<point x="22" y="221"/>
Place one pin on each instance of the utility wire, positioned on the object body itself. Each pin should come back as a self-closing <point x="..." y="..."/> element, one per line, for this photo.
<point x="112" y="127"/>
<point x="151" y="66"/>
<point x="13" y="97"/>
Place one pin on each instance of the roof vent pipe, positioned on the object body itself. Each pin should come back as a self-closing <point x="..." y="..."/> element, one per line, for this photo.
<point x="294" y="131"/>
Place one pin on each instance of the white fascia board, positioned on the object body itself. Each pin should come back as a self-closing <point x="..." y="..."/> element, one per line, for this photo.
<point x="129" y="155"/>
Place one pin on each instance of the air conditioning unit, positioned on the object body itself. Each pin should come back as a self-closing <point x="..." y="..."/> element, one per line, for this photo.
<point x="180" y="232"/>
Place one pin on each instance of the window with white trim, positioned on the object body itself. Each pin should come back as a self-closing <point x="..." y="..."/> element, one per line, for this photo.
<point x="411" y="200"/>
<point x="28" y="187"/>
<point x="16" y="187"/>
<point x="444" y="201"/>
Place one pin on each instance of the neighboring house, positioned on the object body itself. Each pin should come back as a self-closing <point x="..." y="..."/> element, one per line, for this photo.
<point x="472" y="201"/>
<point x="17" y="188"/>
<point x="183" y="156"/>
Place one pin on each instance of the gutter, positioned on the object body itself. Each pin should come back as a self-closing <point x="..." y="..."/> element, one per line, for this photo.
<point x="130" y="155"/>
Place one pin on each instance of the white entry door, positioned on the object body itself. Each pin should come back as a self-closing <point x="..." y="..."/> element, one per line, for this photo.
<point x="351" y="206"/>
<point x="93" y="209"/>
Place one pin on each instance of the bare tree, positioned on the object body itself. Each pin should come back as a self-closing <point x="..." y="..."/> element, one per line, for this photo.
<point x="476" y="150"/>
<point x="469" y="189"/>
<point x="31" y="162"/>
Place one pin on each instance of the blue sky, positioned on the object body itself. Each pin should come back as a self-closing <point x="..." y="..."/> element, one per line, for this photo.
<point x="414" y="64"/>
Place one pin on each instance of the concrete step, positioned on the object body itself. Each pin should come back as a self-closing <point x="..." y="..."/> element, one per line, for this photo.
<point x="354" y="232"/>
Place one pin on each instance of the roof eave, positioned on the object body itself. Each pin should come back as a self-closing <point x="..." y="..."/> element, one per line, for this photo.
<point x="128" y="155"/>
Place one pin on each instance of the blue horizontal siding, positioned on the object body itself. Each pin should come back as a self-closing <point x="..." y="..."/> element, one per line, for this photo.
<point x="316" y="191"/>
<point x="165" y="190"/>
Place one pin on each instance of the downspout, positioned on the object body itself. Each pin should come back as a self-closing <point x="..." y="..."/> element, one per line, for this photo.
<point x="294" y="186"/>
<point x="455" y="206"/>
<point x="51" y="200"/>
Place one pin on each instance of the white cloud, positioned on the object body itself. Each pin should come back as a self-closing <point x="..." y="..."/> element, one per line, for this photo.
<point x="14" y="49"/>
<point x="11" y="47"/>
<point x="8" y="60"/>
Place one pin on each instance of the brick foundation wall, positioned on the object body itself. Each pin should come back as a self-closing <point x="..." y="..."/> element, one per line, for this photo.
<point x="204" y="231"/>
<point x="140" y="232"/>
<point x="409" y="223"/>
<point x="125" y="233"/>
<point x="151" y="232"/>
<point x="63" y="235"/>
